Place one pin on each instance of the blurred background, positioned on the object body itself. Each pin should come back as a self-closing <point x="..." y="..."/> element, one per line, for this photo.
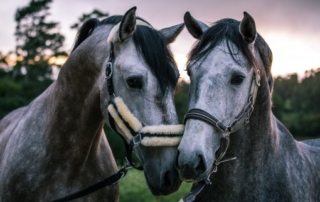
<point x="37" y="36"/>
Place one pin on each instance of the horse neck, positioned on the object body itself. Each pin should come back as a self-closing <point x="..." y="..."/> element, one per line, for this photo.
<point x="77" y="120"/>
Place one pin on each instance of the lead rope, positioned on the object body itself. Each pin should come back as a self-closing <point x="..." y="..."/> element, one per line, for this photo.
<point x="198" y="187"/>
<point x="220" y="159"/>
<point x="99" y="185"/>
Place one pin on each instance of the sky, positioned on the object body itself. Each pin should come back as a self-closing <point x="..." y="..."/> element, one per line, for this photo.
<point x="290" y="27"/>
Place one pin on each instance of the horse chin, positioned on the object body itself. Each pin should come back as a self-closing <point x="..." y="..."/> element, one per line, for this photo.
<point x="168" y="184"/>
<point x="202" y="177"/>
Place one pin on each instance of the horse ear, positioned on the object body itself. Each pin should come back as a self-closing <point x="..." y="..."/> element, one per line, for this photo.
<point x="195" y="27"/>
<point x="128" y="24"/>
<point x="169" y="34"/>
<point x="248" y="28"/>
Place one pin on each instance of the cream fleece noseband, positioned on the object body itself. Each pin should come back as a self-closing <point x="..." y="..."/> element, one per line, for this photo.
<point x="132" y="130"/>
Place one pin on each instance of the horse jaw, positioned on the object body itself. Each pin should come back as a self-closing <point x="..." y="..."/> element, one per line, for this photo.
<point x="197" y="151"/>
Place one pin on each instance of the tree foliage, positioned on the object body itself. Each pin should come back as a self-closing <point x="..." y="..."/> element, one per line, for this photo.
<point x="38" y="40"/>
<point x="296" y="103"/>
<point x="95" y="13"/>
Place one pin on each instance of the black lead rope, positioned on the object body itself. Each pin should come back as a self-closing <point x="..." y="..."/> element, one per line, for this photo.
<point x="106" y="182"/>
<point x="195" y="190"/>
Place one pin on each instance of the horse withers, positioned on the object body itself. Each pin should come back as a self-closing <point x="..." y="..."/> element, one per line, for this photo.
<point x="233" y="147"/>
<point x="56" y="145"/>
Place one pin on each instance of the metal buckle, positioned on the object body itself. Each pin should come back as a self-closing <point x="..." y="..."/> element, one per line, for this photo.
<point x="258" y="77"/>
<point x="218" y="125"/>
<point x="109" y="70"/>
<point x="136" y="139"/>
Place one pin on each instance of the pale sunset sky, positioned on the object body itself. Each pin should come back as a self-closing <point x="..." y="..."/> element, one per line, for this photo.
<point x="290" y="27"/>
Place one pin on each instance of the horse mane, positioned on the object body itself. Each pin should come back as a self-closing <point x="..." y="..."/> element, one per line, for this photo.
<point x="159" y="58"/>
<point x="85" y="31"/>
<point x="228" y="29"/>
<point x="148" y="42"/>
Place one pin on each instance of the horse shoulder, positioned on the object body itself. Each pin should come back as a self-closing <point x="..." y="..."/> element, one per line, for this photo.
<point x="300" y="161"/>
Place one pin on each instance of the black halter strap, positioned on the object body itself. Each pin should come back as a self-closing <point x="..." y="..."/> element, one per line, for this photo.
<point x="99" y="185"/>
<point x="109" y="75"/>
<point x="109" y="70"/>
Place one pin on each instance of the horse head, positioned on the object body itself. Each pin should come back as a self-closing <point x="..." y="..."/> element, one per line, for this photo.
<point x="225" y="70"/>
<point x="137" y="80"/>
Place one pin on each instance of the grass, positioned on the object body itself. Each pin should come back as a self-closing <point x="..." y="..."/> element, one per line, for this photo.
<point x="133" y="187"/>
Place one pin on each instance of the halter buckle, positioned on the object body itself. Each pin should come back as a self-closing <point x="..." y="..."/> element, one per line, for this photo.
<point x="136" y="140"/>
<point x="109" y="70"/>
<point x="258" y="77"/>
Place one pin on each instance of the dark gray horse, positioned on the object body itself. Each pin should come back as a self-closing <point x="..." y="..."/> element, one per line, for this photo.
<point x="230" y="100"/>
<point x="56" y="145"/>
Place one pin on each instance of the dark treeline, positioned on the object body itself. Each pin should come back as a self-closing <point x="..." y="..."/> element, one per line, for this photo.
<point x="27" y="71"/>
<point x="296" y="103"/>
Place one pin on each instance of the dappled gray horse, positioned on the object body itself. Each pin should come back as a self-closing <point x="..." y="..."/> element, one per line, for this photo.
<point x="56" y="145"/>
<point x="230" y="116"/>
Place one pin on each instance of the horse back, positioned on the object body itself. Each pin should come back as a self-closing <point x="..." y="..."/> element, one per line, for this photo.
<point x="313" y="142"/>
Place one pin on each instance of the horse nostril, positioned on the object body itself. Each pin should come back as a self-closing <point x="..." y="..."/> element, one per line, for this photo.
<point x="201" y="167"/>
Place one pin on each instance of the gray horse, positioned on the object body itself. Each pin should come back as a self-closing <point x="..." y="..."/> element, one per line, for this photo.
<point x="56" y="145"/>
<point x="230" y="116"/>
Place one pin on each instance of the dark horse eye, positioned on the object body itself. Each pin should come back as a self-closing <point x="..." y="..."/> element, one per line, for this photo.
<point x="135" y="82"/>
<point x="237" y="79"/>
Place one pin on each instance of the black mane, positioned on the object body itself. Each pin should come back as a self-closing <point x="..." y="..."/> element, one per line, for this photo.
<point x="85" y="30"/>
<point x="228" y="29"/>
<point x="149" y="43"/>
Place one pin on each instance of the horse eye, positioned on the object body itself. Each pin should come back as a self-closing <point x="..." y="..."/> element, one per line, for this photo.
<point x="237" y="79"/>
<point x="135" y="82"/>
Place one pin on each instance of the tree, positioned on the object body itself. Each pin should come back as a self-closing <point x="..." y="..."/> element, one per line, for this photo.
<point x="37" y="41"/>
<point x="295" y="103"/>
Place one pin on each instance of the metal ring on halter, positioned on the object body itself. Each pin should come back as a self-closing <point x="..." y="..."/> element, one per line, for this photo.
<point x="109" y="70"/>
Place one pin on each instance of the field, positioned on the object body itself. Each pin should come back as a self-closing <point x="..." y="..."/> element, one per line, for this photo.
<point x="133" y="187"/>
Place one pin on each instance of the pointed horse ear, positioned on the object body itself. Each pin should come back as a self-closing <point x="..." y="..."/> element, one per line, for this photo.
<point x="127" y="24"/>
<point x="195" y="27"/>
<point x="247" y="28"/>
<point x="169" y="34"/>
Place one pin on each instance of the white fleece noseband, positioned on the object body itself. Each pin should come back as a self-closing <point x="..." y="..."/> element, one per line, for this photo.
<point x="151" y="136"/>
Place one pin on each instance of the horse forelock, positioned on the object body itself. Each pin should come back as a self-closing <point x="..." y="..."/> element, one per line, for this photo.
<point x="150" y="44"/>
<point x="228" y="30"/>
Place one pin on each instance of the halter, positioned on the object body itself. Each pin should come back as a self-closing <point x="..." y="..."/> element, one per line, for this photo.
<point x="132" y="131"/>
<point x="240" y="120"/>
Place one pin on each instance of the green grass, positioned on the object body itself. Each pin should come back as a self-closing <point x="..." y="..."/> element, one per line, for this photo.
<point x="133" y="187"/>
